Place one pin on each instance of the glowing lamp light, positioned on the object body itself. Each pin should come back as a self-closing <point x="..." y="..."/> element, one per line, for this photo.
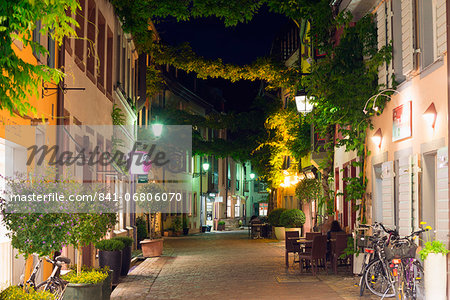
<point x="430" y="115"/>
<point x="205" y="166"/>
<point x="310" y="175"/>
<point x="252" y="176"/>
<point x="377" y="138"/>
<point x="302" y="101"/>
<point x="157" y="129"/>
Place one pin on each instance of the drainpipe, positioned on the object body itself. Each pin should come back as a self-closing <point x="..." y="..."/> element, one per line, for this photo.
<point x="448" y="119"/>
<point x="60" y="104"/>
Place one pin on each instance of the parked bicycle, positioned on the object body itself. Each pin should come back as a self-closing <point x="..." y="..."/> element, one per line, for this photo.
<point x="54" y="284"/>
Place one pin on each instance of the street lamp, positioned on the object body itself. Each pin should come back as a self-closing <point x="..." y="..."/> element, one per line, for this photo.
<point x="303" y="103"/>
<point x="157" y="129"/>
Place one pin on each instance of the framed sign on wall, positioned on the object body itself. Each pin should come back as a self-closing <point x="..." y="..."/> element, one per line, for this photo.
<point x="402" y="122"/>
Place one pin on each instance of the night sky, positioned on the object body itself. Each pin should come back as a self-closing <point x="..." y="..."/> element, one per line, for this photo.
<point x="241" y="45"/>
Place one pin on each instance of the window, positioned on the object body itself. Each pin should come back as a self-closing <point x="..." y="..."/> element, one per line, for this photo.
<point x="109" y="62"/>
<point x="79" y="42"/>
<point x="91" y="30"/>
<point x="101" y="52"/>
<point x="123" y="67"/>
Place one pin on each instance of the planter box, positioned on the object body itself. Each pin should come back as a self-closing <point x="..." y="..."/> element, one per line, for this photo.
<point x="279" y="233"/>
<point x="357" y="263"/>
<point x="220" y="227"/>
<point x="435" y="269"/>
<point x="112" y="259"/>
<point x="166" y="234"/>
<point x="185" y="231"/>
<point x="126" y="260"/>
<point x="82" y="291"/>
<point x="152" y="248"/>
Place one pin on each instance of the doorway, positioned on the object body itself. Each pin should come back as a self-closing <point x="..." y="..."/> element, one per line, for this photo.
<point x="428" y="203"/>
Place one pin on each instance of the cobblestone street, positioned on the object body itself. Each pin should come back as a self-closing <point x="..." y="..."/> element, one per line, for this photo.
<point x="227" y="265"/>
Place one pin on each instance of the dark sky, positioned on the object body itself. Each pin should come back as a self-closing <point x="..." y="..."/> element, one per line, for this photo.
<point x="240" y="45"/>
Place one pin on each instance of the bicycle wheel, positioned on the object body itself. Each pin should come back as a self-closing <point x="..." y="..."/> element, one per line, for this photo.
<point x="377" y="281"/>
<point x="54" y="286"/>
<point x="362" y="286"/>
<point x="400" y="283"/>
<point x="415" y="281"/>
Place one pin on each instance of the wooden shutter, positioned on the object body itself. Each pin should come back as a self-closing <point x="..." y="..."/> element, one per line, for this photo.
<point x="387" y="177"/>
<point x="405" y="192"/>
<point x="381" y="25"/>
<point x="441" y="29"/>
<point x="442" y="205"/>
<point x="408" y="36"/>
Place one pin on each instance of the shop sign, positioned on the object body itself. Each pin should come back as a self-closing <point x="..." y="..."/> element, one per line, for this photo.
<point x="402" y="122"/>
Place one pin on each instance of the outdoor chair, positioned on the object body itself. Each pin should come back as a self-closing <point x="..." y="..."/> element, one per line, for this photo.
<point x="292" y="246"/>
<point x="310" y="236"/>
<point x="318" y="253"/>
<point x="337" y="249"/>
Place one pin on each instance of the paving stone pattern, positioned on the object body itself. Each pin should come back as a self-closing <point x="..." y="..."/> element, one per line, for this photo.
<point x="228" y="265"/>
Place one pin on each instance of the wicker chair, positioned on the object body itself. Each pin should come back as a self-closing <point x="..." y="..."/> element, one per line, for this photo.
<point x="318" y="252"/>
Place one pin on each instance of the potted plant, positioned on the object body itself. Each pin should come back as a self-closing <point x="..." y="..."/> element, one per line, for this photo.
<point x="84" y="285"/>
<point x="15" y="292"/>
<point x="151" y="247"/>
<point x="293" y="220"/>
<point x="274" y="220"/>
<point x="141" y="230"/>
<point x="434" y="257"/>
<point x="110" y="254"/>
<point x="126" y="253"/>
<point x="221" y="225"/>
<point x="177" y="225"/>
<point x="185" y="225"/>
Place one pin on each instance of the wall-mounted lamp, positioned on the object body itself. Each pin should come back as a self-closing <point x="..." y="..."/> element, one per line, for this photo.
<point x="430" y="115"/>
<point x="205" y="166"/>
<point x="157" y="129"/>
<point x="377" y="138"/>
<point x="252" y="176"/>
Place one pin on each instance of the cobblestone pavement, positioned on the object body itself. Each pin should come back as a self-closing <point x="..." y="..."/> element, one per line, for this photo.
<point x="227" y="265"/>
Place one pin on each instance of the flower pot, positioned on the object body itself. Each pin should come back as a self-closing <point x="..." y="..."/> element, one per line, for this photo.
<point x="126" y="260"/>
<point x="435" y="269"/>
<point x="112" y="259"/>
<point x="167" y="233"/>
<point x="357" y="263"/>
<point x="185" y="231"/>
<point x="107" y="286"/>
<point x="221" y="227"/>
<point x="152" y="248"/>
<point x="279" y="233"/>
<point x="82" y="291"/>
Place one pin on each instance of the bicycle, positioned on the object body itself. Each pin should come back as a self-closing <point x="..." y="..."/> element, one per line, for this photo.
<point x="407" y="269"/>
<point x="54" y="284"/>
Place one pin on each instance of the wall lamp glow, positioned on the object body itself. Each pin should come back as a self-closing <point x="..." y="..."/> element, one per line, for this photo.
<point x="430" y="115"/>
<point x="252" y="176"/>
<point x="377" y="138"/>
<point x="157" y="129"/>
<point x="205" y="166"/>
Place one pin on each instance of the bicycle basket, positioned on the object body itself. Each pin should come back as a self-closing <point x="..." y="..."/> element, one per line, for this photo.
<point x="403" y="251"/>
<point x="362" y="241"/>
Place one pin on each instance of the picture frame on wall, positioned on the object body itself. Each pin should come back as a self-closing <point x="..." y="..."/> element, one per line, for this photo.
<point x="402" y="122"/>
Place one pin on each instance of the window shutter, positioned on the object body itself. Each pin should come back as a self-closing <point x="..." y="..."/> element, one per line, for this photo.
<point x="387" y="176"/>
<point x="441" y="29"/>
<point x="408" y="36"/>
<point x="442" y="205"/>
<point x="381" y="25"/>
<point x="405" y="188"/>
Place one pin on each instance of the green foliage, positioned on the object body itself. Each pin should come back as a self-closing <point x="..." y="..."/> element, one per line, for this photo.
<point x="292" y="218"/>
<point x="221" y="223"/>
<point x="15" y="292"/>
<point x="141" y="227"/>
<point x="185" y="222"/>
<point x="433" y="247"/>
<point x="177" y="224"/>
<point x="89" y="277"/>
<point x="308" y="190"/>
<point x="351" y="249"/>
<point x="110" y="245"/>
<point x="274" y="216"/>
<point x="127" y="241"/>
<point x="153" y="189"/>
<point x="20" y="78"/>
<point x="118" y="117"/>
<point x="155" y="82"/>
